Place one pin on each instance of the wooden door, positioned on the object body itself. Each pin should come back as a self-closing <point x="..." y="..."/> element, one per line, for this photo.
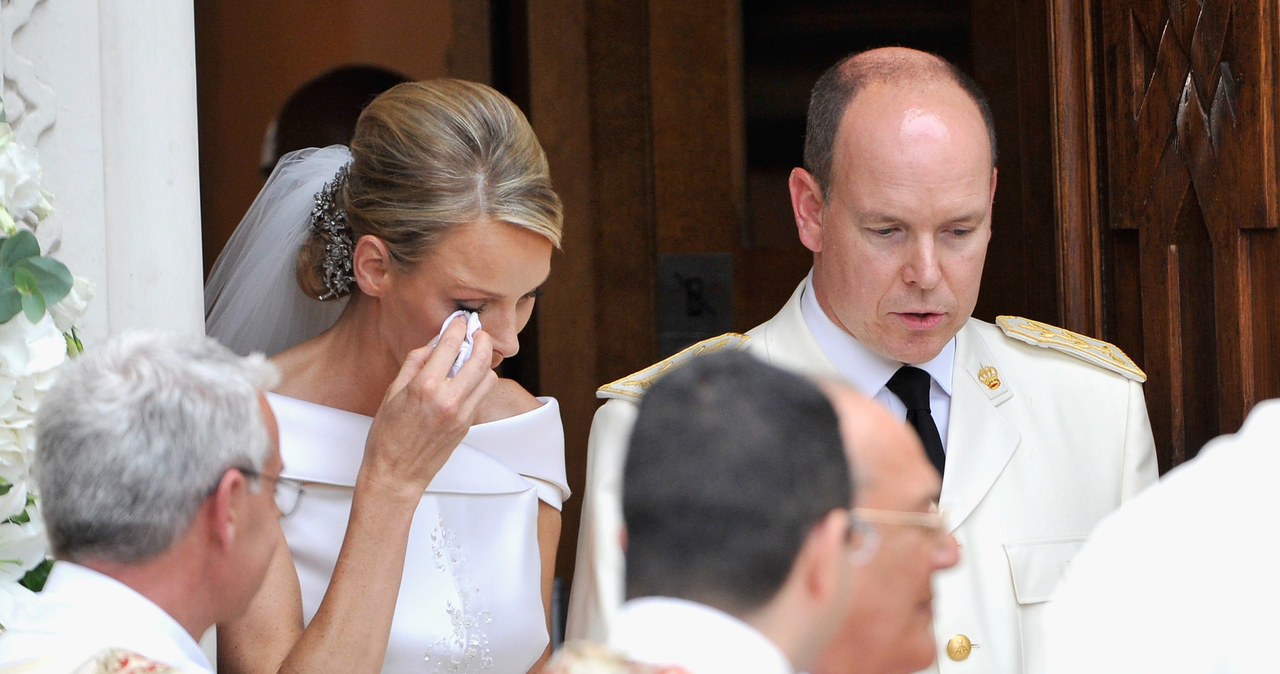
<point x="1137" y="197"/>
<point x="1190" y="265"/>
<point x="639" y="106"/>
<point x="671" y="128"/>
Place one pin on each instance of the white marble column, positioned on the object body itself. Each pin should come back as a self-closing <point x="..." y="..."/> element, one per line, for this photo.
<point x="106" y="91"/>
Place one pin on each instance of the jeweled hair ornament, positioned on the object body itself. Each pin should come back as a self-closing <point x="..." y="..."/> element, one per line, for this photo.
<point x="330" y="220"/>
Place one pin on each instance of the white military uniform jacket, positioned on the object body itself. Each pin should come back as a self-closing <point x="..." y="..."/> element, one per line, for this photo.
<point x="1042" y="443"/>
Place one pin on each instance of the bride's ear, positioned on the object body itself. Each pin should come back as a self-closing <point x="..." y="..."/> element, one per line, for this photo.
<point x="371" y="264"/>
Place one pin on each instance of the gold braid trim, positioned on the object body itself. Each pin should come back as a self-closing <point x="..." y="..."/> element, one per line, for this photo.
<point x="634" y="386"/>
<point x="1096" y="351"/>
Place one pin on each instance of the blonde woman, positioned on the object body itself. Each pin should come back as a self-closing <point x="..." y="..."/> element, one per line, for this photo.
<point x="443" y="204"/>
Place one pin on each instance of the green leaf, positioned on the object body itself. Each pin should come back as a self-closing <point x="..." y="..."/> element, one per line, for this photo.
<point x="36" y="578"/>
<point x="28" y="281"/>
<point x="25" y="281"/>
<point x="52" y="277"/>
<point x="32" y="299"/>
<point x="10" y="303"/>
<point x="20" y="246"/>
<point x="74" y="346"/>
<point x="10" y="299"/>
<point x="33" y="305"/>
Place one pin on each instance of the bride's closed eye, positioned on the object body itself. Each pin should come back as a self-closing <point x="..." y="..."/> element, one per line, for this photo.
<point x="479" y="308"/>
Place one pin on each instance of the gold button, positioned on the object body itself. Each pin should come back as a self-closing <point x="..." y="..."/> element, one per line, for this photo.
<point x="959" y="647"/>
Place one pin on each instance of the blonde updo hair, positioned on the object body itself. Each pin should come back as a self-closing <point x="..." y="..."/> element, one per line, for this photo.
<point x="427" y="156"/>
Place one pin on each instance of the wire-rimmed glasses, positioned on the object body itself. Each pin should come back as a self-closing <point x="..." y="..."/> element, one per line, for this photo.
<point x="287" y="492"/>
<point x="863" y="538"/>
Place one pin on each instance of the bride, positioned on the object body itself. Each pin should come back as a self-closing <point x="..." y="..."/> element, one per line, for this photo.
<point x="442" y="205"/>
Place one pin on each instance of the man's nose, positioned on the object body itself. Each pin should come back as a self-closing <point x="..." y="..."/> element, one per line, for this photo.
<point x="947" y="553"/>
<point x="922" y="268"/>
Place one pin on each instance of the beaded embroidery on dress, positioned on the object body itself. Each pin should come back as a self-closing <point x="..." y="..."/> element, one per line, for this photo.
<point x="470" y="593"/>
<point x="467" y="648"/>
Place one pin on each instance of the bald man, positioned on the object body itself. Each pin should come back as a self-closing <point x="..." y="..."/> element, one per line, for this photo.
<point x="1038" y="432"/>
<point x="889" y="629"/>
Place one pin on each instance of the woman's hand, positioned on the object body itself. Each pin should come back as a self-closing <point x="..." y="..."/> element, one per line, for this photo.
<point x="425" y="413"/>
<point x="422" y="418"/>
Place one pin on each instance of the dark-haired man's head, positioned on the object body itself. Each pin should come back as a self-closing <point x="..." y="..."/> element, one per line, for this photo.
<point x="736" y="495"/>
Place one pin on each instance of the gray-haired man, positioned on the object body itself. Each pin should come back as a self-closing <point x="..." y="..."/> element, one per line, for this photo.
<point x="157" y="461"/>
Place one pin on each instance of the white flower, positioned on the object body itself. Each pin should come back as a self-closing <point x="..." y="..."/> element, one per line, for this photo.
<point x="30" y="354"/>
<point x="21" y="196"/>
<point x="14" y="471"/>
<point x="67" y="311"/>
<point x="25" y="397"/>
<point x="22" y="547"/>
<point x="27" y="348"/>
<point x="8" y="404"/>
<point x="17" y="443"/>
<point x="18" y="415"/>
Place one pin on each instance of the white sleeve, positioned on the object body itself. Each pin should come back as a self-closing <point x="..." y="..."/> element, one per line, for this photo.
<point x="599" y="572"/>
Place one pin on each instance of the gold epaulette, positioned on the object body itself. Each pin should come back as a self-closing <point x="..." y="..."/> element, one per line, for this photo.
<point x="1092" y="350"/>
<point x="634" y="386"/>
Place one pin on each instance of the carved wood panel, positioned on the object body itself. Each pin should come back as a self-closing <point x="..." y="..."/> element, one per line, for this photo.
<point x="1190" y="154"/>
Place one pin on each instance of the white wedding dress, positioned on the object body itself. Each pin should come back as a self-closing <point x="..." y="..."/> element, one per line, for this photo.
<point x="470" y="598"/>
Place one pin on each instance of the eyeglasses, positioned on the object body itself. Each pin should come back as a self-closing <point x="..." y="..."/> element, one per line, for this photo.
<point x="934" y="521"/>
<point x="863" y="537"/>
<point x="287" y="492"/>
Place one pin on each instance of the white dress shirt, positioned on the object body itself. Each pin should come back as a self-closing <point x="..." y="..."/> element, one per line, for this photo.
<point x="704" y="640"/>
<point x="868" y="371"/>
<point x="82" y="612"/>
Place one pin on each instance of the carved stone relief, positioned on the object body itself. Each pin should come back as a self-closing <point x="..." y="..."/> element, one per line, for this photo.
<point x="30" y="103"/>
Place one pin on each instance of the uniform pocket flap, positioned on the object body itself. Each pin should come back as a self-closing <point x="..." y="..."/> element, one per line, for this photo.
<point x="1038" y="566"/>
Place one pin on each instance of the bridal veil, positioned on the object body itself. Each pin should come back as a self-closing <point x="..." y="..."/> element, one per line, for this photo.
<point x="252" y="301"/>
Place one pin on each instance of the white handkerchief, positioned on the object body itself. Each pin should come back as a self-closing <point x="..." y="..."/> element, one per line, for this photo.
<point x="473" y="324"/>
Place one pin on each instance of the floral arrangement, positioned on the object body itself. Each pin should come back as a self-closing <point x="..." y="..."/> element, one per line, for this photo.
<point x="39" y="303"/>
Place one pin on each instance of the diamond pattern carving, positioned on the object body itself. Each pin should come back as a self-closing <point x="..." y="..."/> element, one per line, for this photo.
<point x="1190" y="95"/>
<point x="1190" y="114"/>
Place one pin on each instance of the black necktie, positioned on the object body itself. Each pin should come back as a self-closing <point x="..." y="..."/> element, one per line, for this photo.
<point x="911" y="384"/>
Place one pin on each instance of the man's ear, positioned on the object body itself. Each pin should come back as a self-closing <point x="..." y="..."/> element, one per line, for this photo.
<point x="806" y="204"/>
<point x="826" y="556"/>
<point x="371" y="264"/>
<point x="223" y="507"/>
